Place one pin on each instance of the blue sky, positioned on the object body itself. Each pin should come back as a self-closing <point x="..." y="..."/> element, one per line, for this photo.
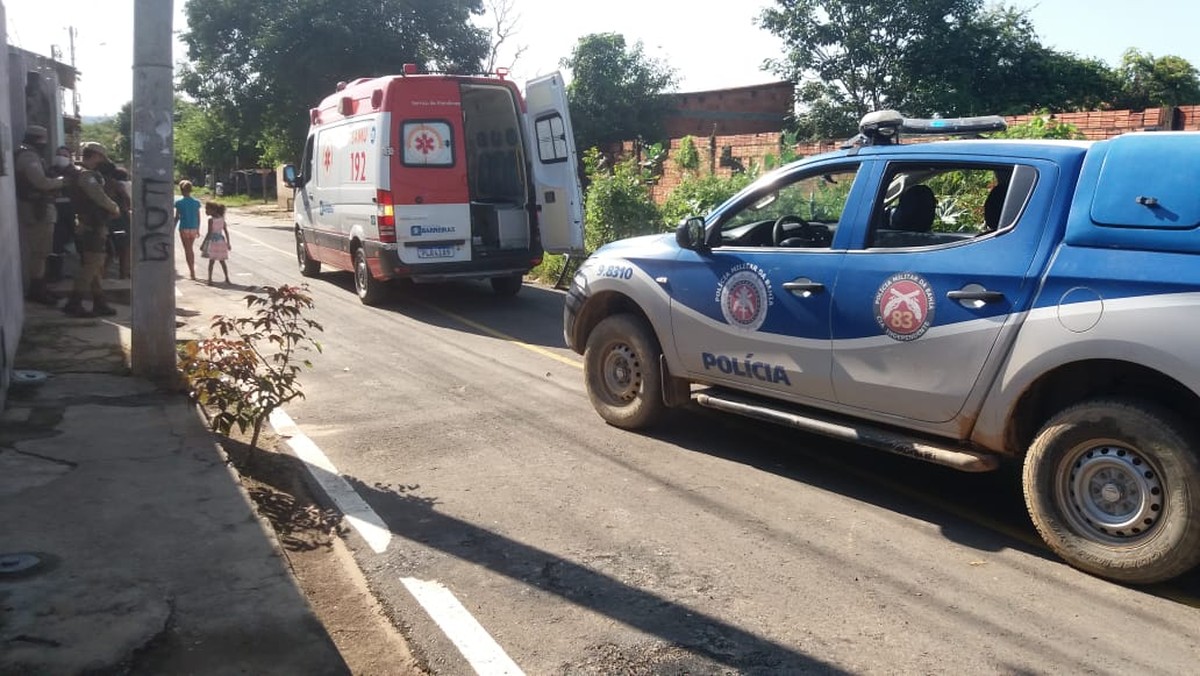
<point x="712" y="44"/>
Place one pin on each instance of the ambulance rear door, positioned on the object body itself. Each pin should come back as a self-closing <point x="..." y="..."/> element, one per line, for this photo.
<point x="555" y="162"/>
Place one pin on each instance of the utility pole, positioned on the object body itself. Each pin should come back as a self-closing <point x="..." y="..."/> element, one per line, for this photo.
<point x="153" y="293"/>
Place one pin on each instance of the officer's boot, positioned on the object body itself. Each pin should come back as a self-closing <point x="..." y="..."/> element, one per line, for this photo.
<point x="38" y="293"/>
<point x="74" y="306"/>
<point x="100" y="306"/>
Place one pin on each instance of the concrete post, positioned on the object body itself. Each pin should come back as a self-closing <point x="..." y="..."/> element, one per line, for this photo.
<point x="153" y="294"/>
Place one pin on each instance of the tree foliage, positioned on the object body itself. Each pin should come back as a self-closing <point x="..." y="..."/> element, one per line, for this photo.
<point x="205" y="141"/>
<point x="1146" y="81"/>
<point x="113" y="133"/>
<point x="261" y="66"/>
<point x="616" y="91"/>
<point x="923" y="57"/>
<point x="618" y="203"/>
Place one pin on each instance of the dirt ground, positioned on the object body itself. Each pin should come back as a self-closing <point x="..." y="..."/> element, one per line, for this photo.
<point x="309" y="535"/>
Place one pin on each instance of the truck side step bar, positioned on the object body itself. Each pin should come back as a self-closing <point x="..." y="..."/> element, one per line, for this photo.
<point x="875" y="437"/>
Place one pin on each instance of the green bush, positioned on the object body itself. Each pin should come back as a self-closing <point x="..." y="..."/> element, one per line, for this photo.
<point x="687" y="157"/>
<point x="1040" y="127"/>
<point x="698" y="195"/>
<point x="618" y="202"/>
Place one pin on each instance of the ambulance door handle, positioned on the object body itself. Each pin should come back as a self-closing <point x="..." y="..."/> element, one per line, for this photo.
<point x="803" y="287"/>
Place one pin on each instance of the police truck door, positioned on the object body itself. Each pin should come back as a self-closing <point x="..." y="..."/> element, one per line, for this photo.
<point x="554" y="160"/>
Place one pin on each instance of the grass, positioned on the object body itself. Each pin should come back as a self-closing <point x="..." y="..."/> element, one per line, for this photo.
<point x="205" y="195"/>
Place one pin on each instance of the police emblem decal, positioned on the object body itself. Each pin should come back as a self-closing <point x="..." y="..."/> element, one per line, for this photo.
<point x="744" y="295"/>
<point x="904" y="306"/>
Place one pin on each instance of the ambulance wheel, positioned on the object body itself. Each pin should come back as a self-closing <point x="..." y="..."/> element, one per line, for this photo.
<point x="1113" y="486"/>
<point x="621" y="370"/>
<point x="370" y="290"/>
<point x="308" y="267"/>
<point x="508" y="286"/>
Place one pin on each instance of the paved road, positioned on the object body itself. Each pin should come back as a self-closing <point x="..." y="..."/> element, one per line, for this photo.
<point x="716" y="545"/>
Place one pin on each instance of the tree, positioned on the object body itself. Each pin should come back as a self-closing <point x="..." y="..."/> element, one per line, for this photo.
<point x="923" y="57"/>
<point x="1146" y="81"/>
<point x="504" y="26"/>
<point x="616" y="91"/>
<point x="113" y="133"/>
<point x="205" y="141"/>
<point x="262" y="66"/>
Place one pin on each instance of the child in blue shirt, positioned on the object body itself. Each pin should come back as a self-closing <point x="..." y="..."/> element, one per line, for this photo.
<point x="187" y="218"/>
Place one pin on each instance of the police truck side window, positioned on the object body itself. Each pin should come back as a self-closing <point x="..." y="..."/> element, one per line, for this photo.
<point x="945" y="204"/>
<point x="807" y="209"/>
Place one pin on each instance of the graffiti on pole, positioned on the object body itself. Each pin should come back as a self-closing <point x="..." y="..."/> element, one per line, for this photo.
<point x="155" y="242"/>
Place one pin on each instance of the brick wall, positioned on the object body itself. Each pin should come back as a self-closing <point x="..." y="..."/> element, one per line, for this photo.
<point x="741" y="110"/>
<point x="754" y="148"/>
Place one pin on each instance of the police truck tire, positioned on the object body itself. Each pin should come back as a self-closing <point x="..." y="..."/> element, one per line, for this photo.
<point x="308" y="266"/>
<point x="1113" y="486"/>
<point x="509" y="285"/>
<point x="369" y="289"/>
<point x="621" y="369"/>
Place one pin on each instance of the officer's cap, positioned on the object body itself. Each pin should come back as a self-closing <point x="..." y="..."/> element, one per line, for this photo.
<point x="36" y="133"/>
<point x="92" y="147"/>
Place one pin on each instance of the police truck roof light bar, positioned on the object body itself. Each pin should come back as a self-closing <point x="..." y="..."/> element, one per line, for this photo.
<point x="884" y="127"/>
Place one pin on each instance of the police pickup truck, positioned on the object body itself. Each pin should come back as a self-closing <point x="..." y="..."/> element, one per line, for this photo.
<point x="960" y="301"/>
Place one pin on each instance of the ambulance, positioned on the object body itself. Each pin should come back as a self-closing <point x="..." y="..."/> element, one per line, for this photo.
<point x="437" y="177"/>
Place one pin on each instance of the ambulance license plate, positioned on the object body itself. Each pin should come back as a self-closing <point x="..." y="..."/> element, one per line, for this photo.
<point x="435" y="252"/>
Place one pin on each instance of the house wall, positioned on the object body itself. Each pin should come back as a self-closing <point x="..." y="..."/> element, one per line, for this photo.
<point x="12" y="305"/>
<point x="737" y="111"/>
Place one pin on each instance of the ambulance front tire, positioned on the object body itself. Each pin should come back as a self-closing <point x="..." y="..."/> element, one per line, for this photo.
<point x="621" y="367"/>
<point x="308" y="266"/>
<point x="370" y="290"/>
<point x="509" y="285"/>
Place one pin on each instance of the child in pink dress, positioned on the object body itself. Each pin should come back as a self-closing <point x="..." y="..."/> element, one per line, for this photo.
<point x="218" y="238"/>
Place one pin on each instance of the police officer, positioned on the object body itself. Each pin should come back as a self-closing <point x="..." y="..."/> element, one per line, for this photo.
<point x="35" y="212"/>
<point x="94" y="210"/>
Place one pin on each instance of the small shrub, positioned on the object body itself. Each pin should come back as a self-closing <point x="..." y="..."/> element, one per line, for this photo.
<point x="618" y="202"/>
<point x="248" y="368"/>
<point x="687" y="157"/>
<point x="698" y="195"/>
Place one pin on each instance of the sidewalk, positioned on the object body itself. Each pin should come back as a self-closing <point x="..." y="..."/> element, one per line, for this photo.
<point x="145" y="554"/>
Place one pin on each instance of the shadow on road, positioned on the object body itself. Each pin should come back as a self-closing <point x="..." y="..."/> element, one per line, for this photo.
<point x="534" y="316"/>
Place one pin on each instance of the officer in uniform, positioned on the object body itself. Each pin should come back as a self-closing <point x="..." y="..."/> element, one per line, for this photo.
<point x="94" y="209"/>
<point x="35" y="212"/>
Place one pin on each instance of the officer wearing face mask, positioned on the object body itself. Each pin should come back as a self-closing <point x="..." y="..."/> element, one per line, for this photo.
<point x="64" y="224"/>
<point x="35" y="212"/>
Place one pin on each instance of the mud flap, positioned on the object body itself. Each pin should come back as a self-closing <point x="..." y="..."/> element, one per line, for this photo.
<point x="676" y="392"/>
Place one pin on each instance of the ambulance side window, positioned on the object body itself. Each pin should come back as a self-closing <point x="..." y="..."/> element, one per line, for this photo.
<point x="551" y="138"/>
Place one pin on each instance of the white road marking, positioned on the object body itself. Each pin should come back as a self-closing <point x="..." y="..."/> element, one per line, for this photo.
<point x="356" y="510"/>
<point x="485" y="656"/>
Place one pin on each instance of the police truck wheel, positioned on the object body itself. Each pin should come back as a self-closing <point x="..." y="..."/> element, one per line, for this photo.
<point x="621" y="369"/>
<point x="1113" y="486"/>
<point x="308" y="267"/>
<point x="509" y="285"/>
<point x="369" y="289"/>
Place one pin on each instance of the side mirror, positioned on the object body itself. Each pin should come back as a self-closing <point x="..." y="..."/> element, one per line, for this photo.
<point x="690" y="234"/>
<point x="289" y="176"/>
